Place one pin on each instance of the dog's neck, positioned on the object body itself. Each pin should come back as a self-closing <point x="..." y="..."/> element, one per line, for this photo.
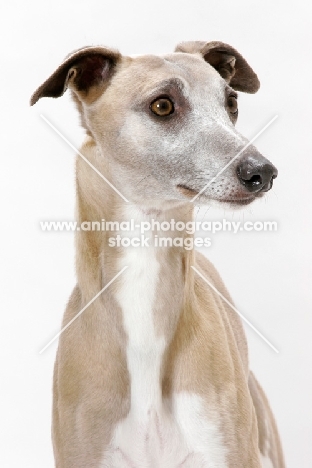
<point x="163" y="271"/>
<point x="147" y="299"/>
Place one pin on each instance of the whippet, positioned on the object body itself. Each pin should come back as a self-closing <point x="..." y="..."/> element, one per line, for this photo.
<point x="154" y="373"/>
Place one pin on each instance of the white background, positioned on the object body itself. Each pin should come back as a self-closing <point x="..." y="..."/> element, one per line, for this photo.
<point x="268" y="275"/>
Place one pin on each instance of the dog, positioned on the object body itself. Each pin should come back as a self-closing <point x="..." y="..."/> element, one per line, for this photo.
<point x="154" y="373"/>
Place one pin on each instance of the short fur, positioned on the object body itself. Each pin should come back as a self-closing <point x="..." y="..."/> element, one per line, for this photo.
<point x="158" y="165"/>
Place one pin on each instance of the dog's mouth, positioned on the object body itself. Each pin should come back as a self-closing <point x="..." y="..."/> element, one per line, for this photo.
<point x="187" y="191"/>
<point x="241" y="201"/>
<point x="238" y="201"/>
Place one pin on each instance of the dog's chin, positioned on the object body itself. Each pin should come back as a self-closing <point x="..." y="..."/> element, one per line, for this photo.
<point x="233" y="205"/>
<point x="234" y="202"/>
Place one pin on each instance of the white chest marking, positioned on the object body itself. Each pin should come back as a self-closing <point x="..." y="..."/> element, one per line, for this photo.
<point x="266" y="462"/>
<point x="144" y="349"/>
<point x="177" y="436"/>
<point x="156" y="433"/>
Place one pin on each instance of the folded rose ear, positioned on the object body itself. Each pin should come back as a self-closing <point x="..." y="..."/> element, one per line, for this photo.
<point x="227" y="61"/>
<point x="82" y="70"/>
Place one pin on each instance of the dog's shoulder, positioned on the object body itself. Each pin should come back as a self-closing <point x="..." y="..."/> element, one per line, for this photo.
<point x="223" y="298"/>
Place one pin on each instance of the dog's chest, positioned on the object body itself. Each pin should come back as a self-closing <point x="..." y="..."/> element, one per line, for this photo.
<point x="157" y="432"/>
<point x="175" y="435"/>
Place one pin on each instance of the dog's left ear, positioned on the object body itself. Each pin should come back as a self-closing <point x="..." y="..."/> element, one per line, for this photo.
<point x="227" y="61"/>
<point x="84" y="70"/>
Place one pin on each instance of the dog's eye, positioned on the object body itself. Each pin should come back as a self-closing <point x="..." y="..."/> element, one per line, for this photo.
<point x="232" y="104"/>
<point x="162" y="107"/>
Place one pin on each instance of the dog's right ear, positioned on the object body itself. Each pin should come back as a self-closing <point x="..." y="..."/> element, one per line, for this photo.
<point x="229" y="63"/>
<point x="90" y="67"/>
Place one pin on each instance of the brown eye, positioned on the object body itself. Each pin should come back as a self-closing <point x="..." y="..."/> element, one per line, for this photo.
<point x="232" y="104"/>
<point x="162" y="107"/>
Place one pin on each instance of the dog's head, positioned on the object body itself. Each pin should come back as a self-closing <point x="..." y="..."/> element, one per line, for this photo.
<point x="166" y="124"/>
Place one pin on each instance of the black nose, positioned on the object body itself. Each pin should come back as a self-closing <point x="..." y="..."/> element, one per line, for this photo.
<point x="256" y="173"/>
